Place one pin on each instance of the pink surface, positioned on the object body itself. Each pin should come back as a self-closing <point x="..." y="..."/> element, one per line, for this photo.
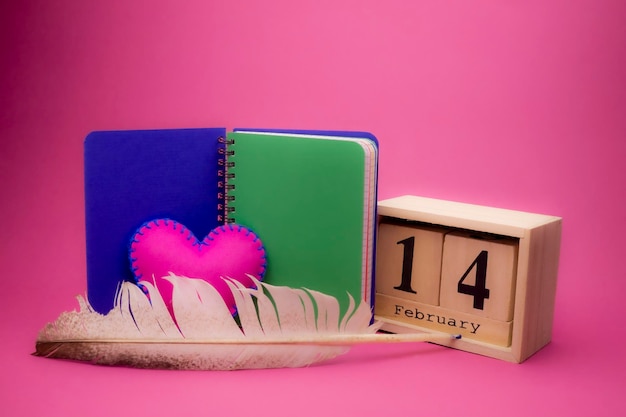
<point x="164" y="246"/>
<point x="514" y="104"/>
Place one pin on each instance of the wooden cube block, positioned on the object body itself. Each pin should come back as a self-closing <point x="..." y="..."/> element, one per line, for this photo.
<point x="409" y="262"/>
<point x="478" y="275"/>
<point x="520" y="271"/>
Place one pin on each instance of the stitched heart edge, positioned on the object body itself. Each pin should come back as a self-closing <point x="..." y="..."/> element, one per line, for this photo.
<point x="195" y="241"/>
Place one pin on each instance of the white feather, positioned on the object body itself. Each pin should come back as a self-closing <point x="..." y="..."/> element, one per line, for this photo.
<point x="203" y="334"/>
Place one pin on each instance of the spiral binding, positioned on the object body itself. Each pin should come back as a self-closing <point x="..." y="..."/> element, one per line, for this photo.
<point x="225" y="209"/>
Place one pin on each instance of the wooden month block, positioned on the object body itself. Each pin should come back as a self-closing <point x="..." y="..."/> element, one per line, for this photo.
<point x="439" y="319"/>
<point x="478" y="275"/>
<point x="409" y="262"/>
<point x="525" y="306"/>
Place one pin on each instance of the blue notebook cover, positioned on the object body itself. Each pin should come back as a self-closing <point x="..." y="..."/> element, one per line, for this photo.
<point x="135" y="176"/>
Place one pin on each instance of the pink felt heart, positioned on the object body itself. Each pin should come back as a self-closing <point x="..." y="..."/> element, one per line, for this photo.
<point x="162" y="246"/>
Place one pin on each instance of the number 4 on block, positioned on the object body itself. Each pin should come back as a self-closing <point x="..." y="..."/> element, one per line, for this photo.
<point x="478" y="275"/>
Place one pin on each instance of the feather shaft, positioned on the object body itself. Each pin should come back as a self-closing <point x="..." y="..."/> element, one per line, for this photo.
<point x="323" y="340"/>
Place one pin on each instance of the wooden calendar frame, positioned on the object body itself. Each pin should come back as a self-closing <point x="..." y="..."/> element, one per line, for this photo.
<point x="537" y="265"/>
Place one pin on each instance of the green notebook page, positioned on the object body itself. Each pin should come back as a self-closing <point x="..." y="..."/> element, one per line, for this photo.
<point x="306" y="199"/>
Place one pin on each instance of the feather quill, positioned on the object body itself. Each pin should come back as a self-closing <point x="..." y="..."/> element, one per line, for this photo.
<point x="275" y="327"/>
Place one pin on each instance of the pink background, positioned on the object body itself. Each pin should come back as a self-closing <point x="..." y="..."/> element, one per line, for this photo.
<point x="514" y="104"/>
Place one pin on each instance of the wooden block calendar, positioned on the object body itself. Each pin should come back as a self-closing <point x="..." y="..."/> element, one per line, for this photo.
<point x="488" y="274"/>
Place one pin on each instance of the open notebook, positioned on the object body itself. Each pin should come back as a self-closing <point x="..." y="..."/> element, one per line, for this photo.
<point x="309" y="195"/>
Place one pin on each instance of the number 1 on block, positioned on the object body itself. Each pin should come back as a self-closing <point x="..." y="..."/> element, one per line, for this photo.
<point x="408" y="264"/>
